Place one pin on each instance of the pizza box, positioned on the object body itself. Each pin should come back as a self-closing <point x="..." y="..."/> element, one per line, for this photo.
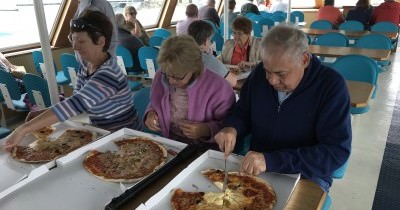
<point x="71" y="185"/>
<point x="191" y="179"/>
<point x="13" y="171"/>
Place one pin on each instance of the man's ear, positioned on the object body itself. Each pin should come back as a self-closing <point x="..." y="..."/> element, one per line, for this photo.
<point x="306" y="59"/>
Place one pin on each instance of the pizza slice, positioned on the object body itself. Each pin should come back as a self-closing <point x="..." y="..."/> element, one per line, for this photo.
<point x="247" y="192"/>
<point x="44" y="132"/>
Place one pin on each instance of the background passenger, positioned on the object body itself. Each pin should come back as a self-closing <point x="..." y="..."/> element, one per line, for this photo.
<point x="187" y="101"/>
<point x="330" y="13"/>
<point x="389" y="10"/>
<point x="202" y="33"/>
<point x="138" y="30"/>
<point x="191" y="15"/>
<point x="231" y="15"/>
<point x="208" y="12"/>
<point x="102" y="88"/>
<point x="244" y="49"/>
<point x="362" y="12"/>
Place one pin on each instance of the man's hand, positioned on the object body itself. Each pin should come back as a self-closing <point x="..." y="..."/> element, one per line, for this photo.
<point x="226" y="140"/>
<point x="253" y="163"/>
<point x="151" y="121"/>
<point x="194" y="130"/>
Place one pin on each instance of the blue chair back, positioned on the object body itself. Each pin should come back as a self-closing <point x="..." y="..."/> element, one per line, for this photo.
<point x="219" y="41"/>
<point x="332" y="39"/>
<point x="352" y="25"/>
<point x="298" y="14"/>
<point x="161" y="32"/>
<point x="249" y="14"/>
<point x="147" y="53"/>
<point x="374" y="41"/>
<point x="126" y="56"/>
<point x="12" y="86"/>
<point x="259" y="23"/>
<point x="68" y="60"/>
<point x="279" y="16"/>
<point x="156" y="41"/>
<point x="213" y="25"/>
<point x="266" y="14"/>
<point x="357" y="68"/>
<point x="221" y="29"/>
<point x="33" y="82"/>
<point x="141" y="99"/>
<point x="321" y="24"/>
<point x="385" y="27"/>
<point x="37" y="57"/>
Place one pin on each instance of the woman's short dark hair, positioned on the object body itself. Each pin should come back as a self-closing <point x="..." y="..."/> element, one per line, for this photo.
<point x="329" y="2"/>
<point x="242" y="24"/>
<point x="200" y="30"/>
<point x="96" y="24"/>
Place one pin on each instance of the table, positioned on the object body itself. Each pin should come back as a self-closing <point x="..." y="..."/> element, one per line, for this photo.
<point x="330" y="51"/>
<point x="360" y="93"/>
<point x="306" y="196"/>
<point x="350" y="34"/>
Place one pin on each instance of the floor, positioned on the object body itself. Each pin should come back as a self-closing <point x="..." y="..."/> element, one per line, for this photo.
<point x="357" y="189"/>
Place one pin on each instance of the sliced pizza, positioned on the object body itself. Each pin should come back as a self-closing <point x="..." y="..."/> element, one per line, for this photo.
<point x="44" y="132"/>
<point x="44" y="150"/>
<point x="136" y="158"/>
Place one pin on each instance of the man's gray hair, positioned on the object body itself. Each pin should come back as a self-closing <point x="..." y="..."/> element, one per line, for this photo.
<point x="284" y="39"/>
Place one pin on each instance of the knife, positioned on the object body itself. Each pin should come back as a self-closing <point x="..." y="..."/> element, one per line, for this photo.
<point x="224" y="185"/>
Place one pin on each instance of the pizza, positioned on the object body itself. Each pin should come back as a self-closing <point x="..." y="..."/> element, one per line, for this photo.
<point x="242" y="193"/>
<point x="44" y="132"/>
<point x="44" y="150"/>
<point x="136" y="158"/>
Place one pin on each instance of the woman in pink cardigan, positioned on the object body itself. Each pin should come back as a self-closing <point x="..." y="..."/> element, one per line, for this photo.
<point x="187" y="102"/>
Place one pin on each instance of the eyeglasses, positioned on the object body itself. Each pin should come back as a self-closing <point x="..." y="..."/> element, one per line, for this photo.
<point x="237" y="33"/>
<point x="174" y="77"/>
<point x="82" y="25"/>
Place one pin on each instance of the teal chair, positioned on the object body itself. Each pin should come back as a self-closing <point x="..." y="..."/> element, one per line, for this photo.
<point x="68" y="60"/>
<point x="375" y="41"/>
<point x="321" y="25"/>
<point x="156" y="41"/>
<point x="141" y="99"/>
<point x="333" y="39"/>
<point x="357" y="68"/>
<point x="147" y="53"/>
<point x="259" y="23"/>
<point x="219" y="41"/>
<point x="298" y="14"/>
<point x="128" y="62"/>
<point x="4" y="132"/>
<point x="213" y="25"/>
<point x="385" y="27"/>
<point x="61" y="78"/>
<point x="279" y="16"/>
<point x="351" y="25"/>
<point x="13" y="89"/>
<point x="35" y="83"/>
<point x="161" y="32"/>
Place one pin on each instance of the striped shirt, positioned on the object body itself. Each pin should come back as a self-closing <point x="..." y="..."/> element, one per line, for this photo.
<point x="105" y="96"/>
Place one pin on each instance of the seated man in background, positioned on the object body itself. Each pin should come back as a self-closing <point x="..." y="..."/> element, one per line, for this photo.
<point x="296" y="109"/>
<point x="202" y="33"/>
<point x="101" y="90"/>
<point x="389" y="10"/>
<point x="330" y="13"/>
<point x="191" y="15"/>
<point x="208" y="12"/>
<point x="187" y="101"/>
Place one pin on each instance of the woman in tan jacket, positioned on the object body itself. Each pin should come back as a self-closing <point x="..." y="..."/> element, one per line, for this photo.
<point x="243" y="50"/>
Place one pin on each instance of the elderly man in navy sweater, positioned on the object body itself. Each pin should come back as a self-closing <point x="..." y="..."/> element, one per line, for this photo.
<point x="297" y="110"/>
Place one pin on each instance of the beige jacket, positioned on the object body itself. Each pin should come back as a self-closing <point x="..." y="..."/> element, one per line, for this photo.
<point x="255" y="50"/>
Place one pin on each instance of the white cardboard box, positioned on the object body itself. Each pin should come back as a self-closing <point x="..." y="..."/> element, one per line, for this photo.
<point x="13" y="171"/>
<point x="71" y="186"/>
<point x="191" y="179"/>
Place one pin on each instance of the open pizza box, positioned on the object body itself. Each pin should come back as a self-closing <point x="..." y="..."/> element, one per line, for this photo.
<point x="71" y="186"/>
<point x="15" y="174"/>
<point x="191" y="180"/>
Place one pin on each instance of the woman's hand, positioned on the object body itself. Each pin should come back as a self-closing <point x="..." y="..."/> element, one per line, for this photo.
<point x="14" y="138"/>
<point x="194" y="130"/>
<point x="151" y="121"/>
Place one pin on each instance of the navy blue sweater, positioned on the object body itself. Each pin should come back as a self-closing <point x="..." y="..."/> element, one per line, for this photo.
<point x="309" y="133"/>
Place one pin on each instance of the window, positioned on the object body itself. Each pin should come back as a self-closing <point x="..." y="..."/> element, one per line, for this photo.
<point x="18" y="22"/>
<point x="303" y="3"/>
<point x="179" y="13"/>
<point x="148" y="11"/>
